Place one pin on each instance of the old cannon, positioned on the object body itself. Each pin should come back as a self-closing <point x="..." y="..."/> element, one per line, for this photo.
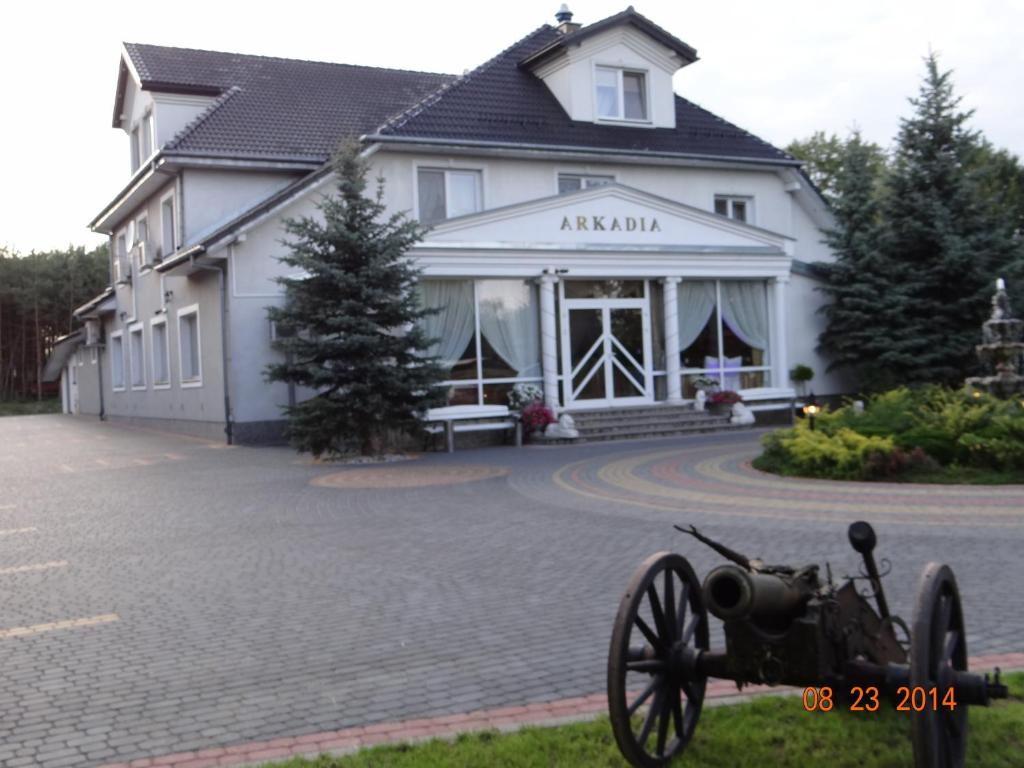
<point x="787" y="625"/>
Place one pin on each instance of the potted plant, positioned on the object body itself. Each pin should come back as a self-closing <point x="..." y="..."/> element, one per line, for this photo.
<point x="535" y="417"/>
<point x="522" y="395"/>
<point x="721" y="403"/>
<point x="800" y="375"/>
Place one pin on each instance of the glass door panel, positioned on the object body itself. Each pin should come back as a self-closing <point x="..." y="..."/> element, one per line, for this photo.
<point x="586" y="354"/>
<point x="626" y="333"/>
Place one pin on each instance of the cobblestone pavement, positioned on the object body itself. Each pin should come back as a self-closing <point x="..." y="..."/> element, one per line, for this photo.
<point x="161" y="594"/>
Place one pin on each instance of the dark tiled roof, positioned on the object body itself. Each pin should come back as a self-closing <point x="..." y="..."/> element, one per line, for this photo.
<point x="282" y="108"/>
<point x="501" y="102"/>
<point x="628" y="16"/>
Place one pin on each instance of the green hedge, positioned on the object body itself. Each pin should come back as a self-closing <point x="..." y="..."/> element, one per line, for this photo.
<point x="901" y="433"/>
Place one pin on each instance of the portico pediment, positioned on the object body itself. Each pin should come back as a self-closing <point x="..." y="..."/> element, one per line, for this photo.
<point x="601" y="217"/>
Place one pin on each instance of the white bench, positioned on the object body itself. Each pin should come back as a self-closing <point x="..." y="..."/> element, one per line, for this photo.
<point x="471" y="418"/>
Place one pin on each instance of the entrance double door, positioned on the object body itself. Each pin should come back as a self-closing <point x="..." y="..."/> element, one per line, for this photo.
<point x="606" y="352"/>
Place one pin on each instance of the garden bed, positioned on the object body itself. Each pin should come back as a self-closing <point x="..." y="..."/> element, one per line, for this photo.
<point x="929" y="435"/>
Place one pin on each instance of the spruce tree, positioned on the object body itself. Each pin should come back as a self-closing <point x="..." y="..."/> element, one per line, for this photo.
<point x="864" y="294"/>
<point x="350" y="321"/>
<point x="941" y="242"/>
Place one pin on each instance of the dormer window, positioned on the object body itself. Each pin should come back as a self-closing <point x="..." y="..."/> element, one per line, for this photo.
<point x="621" y="94"/>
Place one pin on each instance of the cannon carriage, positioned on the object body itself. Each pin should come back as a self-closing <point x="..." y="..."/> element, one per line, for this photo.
<point x="787" y="625"/>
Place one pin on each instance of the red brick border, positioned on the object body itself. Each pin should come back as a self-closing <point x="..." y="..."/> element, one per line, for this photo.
<point x="504" y="718"/>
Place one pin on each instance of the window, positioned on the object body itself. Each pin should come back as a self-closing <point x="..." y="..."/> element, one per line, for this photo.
<point x="122" y="269"/>
<point x="724" y="333"/>
<point x="571" y="182"/>
<point x="142" y="240"/>
<point x="188" y="347"/>
<point x="161" y="361"/>
<point x="739" y="208"/>
<point x="444" y="194"/>
<point x="488" y="334"/>
<point x="147" y="136"/>
<point x="136" y="356"/>
<point x="134" y="139"/>
<point x="621" y="94"/>
<point x="117" y="361"/>
<point x="168" y="239"/>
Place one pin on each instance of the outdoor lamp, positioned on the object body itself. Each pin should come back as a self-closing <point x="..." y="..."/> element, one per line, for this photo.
<point x="811" y="410"/>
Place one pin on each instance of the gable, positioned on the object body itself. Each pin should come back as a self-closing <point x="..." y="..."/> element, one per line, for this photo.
<point x="612" y="216"/>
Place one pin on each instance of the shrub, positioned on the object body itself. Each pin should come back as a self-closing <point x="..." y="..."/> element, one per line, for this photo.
<point x="536" y="416"/>
<point x="844" y="455"/>
<point x="903" y="430"/>
<point x="801" y="373"/>
<point x="725" y="397"/>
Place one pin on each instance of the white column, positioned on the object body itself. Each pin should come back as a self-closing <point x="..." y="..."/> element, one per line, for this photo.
<point x="780" y="365"/>
<point x="672" y="369"/>
<point x="549" y="341"/>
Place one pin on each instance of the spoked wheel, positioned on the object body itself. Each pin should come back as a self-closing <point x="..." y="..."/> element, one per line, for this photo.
<point x="655" y="692"/>
<point x="938" y="649"/>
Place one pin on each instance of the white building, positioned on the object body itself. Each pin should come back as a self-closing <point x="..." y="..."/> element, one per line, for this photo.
<point x="593" y="231"/>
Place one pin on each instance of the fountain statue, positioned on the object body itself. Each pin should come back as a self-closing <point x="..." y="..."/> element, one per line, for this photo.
<point x="1001" y="350"/>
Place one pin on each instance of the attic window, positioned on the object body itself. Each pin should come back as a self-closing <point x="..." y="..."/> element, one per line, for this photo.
<point x="621" y="94"/>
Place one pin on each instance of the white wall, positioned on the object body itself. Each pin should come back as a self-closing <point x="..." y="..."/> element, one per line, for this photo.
<point x="805" y="323"/>
<point x="214" y="197"/>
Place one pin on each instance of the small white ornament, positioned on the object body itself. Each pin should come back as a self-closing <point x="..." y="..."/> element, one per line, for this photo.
<point x="698" y="401"/>
<point x="741" y="414"/>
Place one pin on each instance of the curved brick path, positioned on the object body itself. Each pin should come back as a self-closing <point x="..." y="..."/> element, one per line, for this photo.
<point x="212" y="603"/>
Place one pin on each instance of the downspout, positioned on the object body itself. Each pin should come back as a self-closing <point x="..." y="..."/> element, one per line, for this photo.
<point x="224" y="338"/>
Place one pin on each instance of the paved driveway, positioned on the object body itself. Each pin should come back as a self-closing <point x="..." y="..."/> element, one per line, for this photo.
<point x="160" y="594"/>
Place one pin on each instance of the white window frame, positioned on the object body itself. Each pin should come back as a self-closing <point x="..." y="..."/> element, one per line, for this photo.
<point x="720" y="373"/>
<point x="621" y="117"/>
<point x="144" y="253"/>
<point x="730" y="201"/>
<point x="164" y="253"/>
<point x="481" y="172"/>
<point x="135" y="146"/>
<point x="479" y="381"/>
<point x="119" y="335"/>
<point x="133" y="329"/>
<point x="583" y="177"/>
<point x="146" y="128"/>
<point x="192" y="309"/>
<point x="159" y="321"/>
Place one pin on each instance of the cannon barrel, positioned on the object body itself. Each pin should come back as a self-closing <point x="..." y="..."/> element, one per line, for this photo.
<point x="731" y="592"/>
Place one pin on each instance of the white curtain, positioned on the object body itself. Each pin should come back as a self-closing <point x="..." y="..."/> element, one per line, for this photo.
<point x="696" y="303"/>
<point x="745" y="310"/>
<point x="452" y="325"/>
<point x="510" y="323"/>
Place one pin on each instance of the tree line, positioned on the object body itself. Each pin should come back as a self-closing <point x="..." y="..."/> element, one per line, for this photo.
<point x="921" y="231"/>
<point x="38" y="295"/>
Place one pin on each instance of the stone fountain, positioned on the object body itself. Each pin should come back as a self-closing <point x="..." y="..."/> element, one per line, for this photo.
<point x="1001" y="350"/>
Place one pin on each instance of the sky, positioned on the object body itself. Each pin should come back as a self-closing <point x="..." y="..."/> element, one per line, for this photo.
<point x="779" y="70"/>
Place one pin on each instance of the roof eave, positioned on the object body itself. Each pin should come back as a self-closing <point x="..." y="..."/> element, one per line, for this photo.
<point x="480" y="144"/>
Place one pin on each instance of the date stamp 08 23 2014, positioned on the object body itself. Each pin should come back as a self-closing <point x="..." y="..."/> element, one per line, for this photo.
<point x="866" y="699"/>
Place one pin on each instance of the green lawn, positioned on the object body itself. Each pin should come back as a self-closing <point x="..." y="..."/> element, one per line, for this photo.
<point x="29" y="407"/>
<point x="772" y="732"/>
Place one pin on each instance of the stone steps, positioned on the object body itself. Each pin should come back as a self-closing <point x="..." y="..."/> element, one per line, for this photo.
<point x="646" y="421"/>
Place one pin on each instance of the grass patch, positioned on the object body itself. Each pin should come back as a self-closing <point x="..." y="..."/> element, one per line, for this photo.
<point x="773" y="731"/>
<point x="29" y="407"/>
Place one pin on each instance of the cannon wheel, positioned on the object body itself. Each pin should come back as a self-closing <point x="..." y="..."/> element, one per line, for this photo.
<point x="938" y="648"/>
<point x="653" y="682"/>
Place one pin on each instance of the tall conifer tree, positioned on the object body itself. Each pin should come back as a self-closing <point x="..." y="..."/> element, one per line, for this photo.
<point x="352" y="321"/>
<point x="941" y="242"/>
<point x="865" y="295"/>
